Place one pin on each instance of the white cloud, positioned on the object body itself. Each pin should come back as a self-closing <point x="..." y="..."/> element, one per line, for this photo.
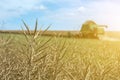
<point x="82" y="8"/>
<point x="40" y="7"/>
<point x="12" y="8"/>
<point x="102" y="11"/>
<point x="71" y="13"/>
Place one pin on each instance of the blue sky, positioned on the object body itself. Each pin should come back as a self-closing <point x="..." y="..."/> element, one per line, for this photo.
<point x="62" y="14"/>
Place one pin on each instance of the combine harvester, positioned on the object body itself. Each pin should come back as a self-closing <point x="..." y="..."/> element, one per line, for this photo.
<point x="90" y="29"/>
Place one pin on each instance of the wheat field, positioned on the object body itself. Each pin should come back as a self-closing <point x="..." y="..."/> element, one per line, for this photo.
<point x="32" y="57"/>
<point x="36" y="57"/>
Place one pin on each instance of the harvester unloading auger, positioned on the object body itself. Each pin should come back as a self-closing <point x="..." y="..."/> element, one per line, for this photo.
<point x="91" y="30"/>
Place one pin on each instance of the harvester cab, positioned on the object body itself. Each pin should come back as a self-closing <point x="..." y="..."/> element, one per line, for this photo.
<point x="100" y="29"/>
